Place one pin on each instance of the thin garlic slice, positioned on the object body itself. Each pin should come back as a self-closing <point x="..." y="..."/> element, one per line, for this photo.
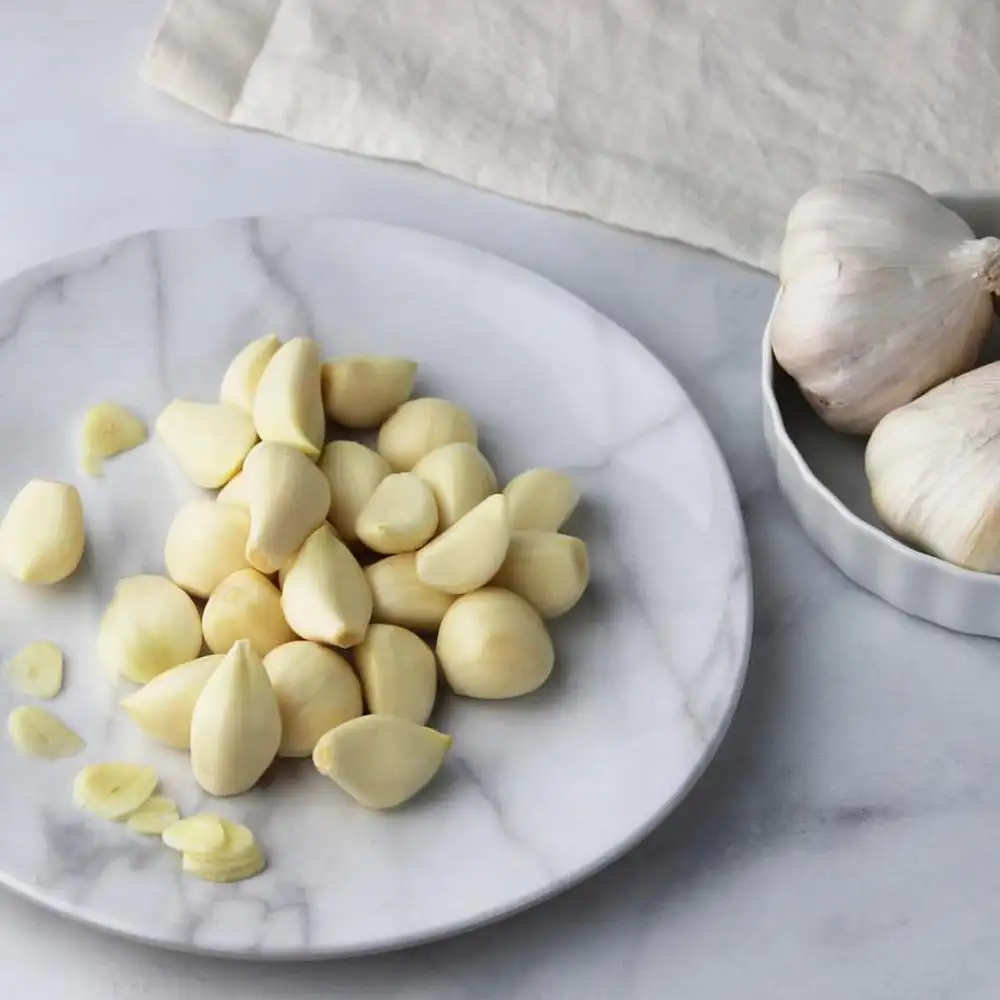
<point x="364" y="391"/>
<point x="540" y="500"/>
<point x="316" y="690"/>
<point x="459" y="477"/>
<point x="246" y="605"/>
<point x="420" y="426"/>
<point x="108" y="430"/>
<point x="239" y="384"/>
<point x="200" y="834"/>
<point x="354" y="473"/>
<point x="162" y="709"/>
<point x="288" y="405"/>
<point x="234" y="492"/>
<point x="550" y="571"/>
<point x="400" y="598"/>
<point x="154" y="816"/>
<point x="239" y="857"/>
<point x="36" y="732"/>
<point x="289" y="498"/>
<point x="208" y="440"/>
<point x="113" y="791"/>
<point x="150" y="626"/>
<point x="400" y="516"/>
<point x="42" y="533"/>
<point x="205" y="544"/>
<point x="470" y="552"/>
<point x="398" y="673"/>
<point x="36" y="670"/>
<point x="379" y="760"/>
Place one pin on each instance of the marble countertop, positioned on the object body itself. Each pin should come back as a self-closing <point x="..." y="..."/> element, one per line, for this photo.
<point x="844" y="842"/>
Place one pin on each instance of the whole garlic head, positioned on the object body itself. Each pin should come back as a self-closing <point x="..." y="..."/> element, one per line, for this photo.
<point x="884" y="294"/>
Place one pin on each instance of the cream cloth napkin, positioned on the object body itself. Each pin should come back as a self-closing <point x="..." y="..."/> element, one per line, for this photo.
<point x="700" y="120"/>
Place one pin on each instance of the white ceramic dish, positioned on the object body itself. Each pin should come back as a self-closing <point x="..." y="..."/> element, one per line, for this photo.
<point x="538" y="792"/>
<point x="821" y="472"/>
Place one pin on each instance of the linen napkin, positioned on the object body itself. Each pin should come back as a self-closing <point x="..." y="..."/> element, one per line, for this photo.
<point x="700" y="120"/>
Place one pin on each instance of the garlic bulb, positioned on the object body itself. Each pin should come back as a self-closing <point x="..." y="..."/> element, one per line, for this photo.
<point x="934" y="470"/>
<point x="885" y="293"/>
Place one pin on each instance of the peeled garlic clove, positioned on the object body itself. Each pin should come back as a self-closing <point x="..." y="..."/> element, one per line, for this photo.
<point x="420" y="426"/>
<point x="316" y="690"/>
<point x="36" y="732"/>
<point x="288" y="498"/>
<point x="112" y="791"/>
<point x="205" y="544"/>
<point x="885" y="293"/>
<point x="400" y="516"/>
<point x="36" y="670"/>
<point x="108" y="430"/>
<point x="150" y="626"/>
<point x="42" y="535"/>
<point x="234" y="492"/>
<point x="400" y="598"/>
<point x="236" y="725"/>
<point x="364" y="391"/>
<point x="162" y="709"/>
<point x="469" y="554"/>
<point x="288" y="406"/>
<point x="325" y="596"/>
<point x="239" y="384"/>
<point x="208" y="440"/>
<point x="493" y="644"/>
<point x="354" y="473"/>
<point x="398" y="673"/>
<point x="550" y="571"/>
<point x="200" y="834"/>
<point x="154" y="816"/>
<point x="540" y="500"/>
<point x="379" y="760"/>
<point x="246" y="605"/>
<point x="459" y="477"/>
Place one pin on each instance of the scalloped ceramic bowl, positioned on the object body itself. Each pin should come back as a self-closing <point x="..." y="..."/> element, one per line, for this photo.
<point x="821" y="473"/>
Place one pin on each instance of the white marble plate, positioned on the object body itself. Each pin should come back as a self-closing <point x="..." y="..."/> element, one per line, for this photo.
<point x="538" y="792"/>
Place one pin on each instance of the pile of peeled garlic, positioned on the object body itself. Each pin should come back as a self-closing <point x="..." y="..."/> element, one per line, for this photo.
<point x="886" y="302"/>
<point x="307" y="610"/>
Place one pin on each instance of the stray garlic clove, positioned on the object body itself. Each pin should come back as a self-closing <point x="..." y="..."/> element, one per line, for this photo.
<point x="399" y="597"/>
<point x="36" y="732"/>
<point x="42" y="534"/>
<point x="234" y="492"/>
<point x="36" y="670"/>
<point x="325" y="596"/>
<point x="470" y="552"/>
<point x="238" y="857"/>
<point x="400" y="516"/>
<point x="398" y="673"/>
<point x="288" y="498"/>
<point x="364" y="391"/>
<point x="246" y="605"/>
<point x="420" y="426"/>
<point x="150" y="626"/>
<point x="199" y="834"/>
<point x="316" y="690"/>
<point x="288" y="406"/>
<point x="108" y="430"/>
<point x="162" y="709"/>
<point x="493" y="644"/>
<point x="113" y="791"/>
<point x="154" y="816"/>
<point x="236" y="725"/>
<point x="540" y="500"/>
<point x="550" y="571"/>
<point x="208" y="440"/>
<point x="239" y="384"/>
<point x="354" y="473"/>
<point x="205" y="544"/>
<point x="379" y="760"/>
<point x="459" y="477"/>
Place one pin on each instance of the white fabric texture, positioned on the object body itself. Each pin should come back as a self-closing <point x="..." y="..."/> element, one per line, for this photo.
<point x="700" y="120"/>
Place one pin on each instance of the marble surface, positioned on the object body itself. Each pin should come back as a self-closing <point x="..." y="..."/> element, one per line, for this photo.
<point x="537" y="792"/>
<point x="844" y="841"/>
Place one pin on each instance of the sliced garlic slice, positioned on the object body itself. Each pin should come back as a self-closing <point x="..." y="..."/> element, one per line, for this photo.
<point x="36" y="732"/>
<point x="113" y="791"/>
<point x="201" y="834"/>
<point x="154" y="816"/>
<point x="36" y="670"/>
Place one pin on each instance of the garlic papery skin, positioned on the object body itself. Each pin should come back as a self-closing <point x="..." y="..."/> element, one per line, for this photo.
<point x="205" y="544"/>
<point x="236" y="725"/>
<point x="885" y="293"/>
<point x="421" y="425"/>
<point x="459" y="477"/>
<point x="42" y="534"/>
<point x="288" y="402"/>
<point x="288" y="499"/>
<point x="400" y="516"/>
<point x="550" y="571"/>
<point x="239" y="384"/>
<point x="246" y="605"/>
<point x="353" y="472"/>
<point x="316" y="690"/>
<point x="364" y="391"/>
<point x="933" y="467"/>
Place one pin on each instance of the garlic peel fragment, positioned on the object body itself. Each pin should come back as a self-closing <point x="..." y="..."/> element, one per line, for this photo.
<point x="42" y="533"/>
<point x="113" y="791"/>
<point x="108" y="430"/>
<point x="36" y="732"/>
<point x="36" y="670"/>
